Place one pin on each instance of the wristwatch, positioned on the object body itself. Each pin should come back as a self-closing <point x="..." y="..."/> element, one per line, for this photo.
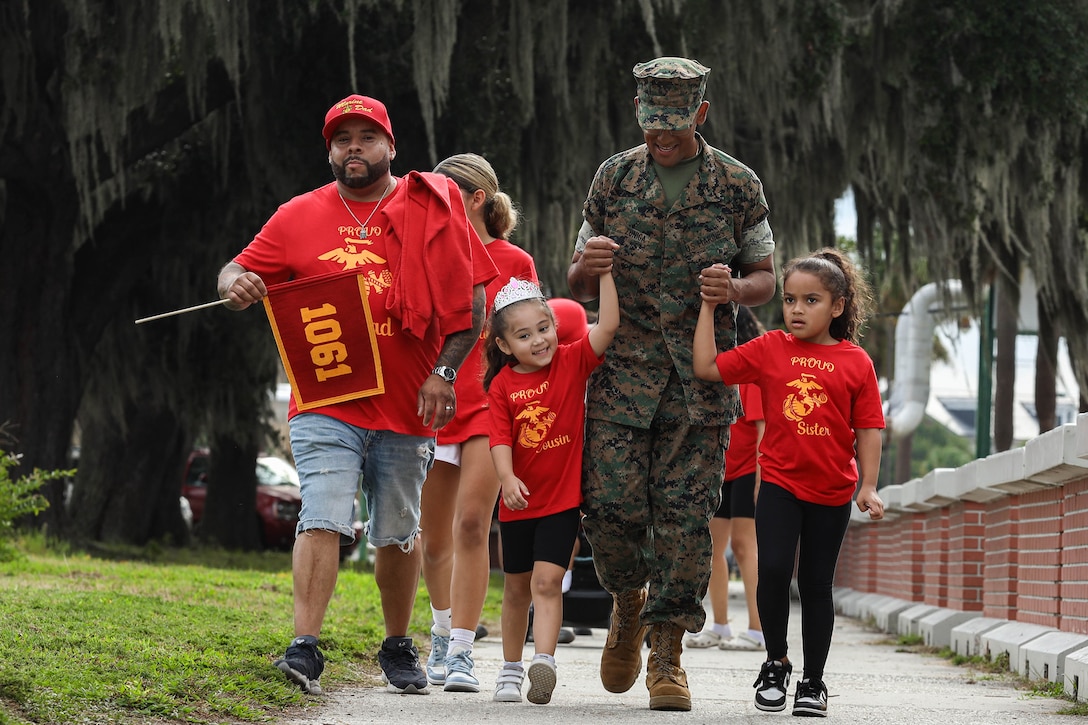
<point x="446" y="373"/>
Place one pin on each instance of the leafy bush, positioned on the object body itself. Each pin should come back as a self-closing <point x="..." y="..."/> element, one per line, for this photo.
<point x="20" y="498"/>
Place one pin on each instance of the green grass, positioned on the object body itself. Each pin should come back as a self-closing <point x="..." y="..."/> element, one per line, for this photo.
<point x="166" y="635"/>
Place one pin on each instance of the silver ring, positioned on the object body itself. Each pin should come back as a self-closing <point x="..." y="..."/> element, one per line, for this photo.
<point x="449" y="407"/>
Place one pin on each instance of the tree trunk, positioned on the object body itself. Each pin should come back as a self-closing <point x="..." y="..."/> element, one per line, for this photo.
<point x="230" y="513"/>
<point x="1046" y="357"/>
<point x="128" y="486"/>
<point x="903" y="453"/>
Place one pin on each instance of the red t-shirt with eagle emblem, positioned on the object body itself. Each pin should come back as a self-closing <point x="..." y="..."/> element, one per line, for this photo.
<point x="541" y="415"/>
<point x="814" y="398"/>
<point x="314" y="234"/>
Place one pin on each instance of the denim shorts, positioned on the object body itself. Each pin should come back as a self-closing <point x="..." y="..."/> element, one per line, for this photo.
<point x="335" y="460"/>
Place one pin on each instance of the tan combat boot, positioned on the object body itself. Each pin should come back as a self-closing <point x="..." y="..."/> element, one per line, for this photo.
<point x="665" y="678"/>
<point x="621" y="660"/>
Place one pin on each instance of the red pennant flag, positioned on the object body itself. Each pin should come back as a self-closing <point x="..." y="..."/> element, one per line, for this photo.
<point x="325" y="334"/>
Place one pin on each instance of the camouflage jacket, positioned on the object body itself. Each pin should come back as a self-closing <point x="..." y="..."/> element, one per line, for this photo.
<point x="721" y="216"/>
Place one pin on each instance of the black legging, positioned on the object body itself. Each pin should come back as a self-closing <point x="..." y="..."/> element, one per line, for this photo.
<point x="783" y="521"/>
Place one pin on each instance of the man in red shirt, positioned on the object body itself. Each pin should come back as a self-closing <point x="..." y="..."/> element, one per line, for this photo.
<point x="425" y="271"/>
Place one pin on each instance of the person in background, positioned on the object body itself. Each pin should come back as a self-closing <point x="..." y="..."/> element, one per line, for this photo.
<point x="383" y="443"/>
<point x="537" y="392"/>
<point x="571" y="323"/>
<point x="734" y="522"/>
<point x="461" y="490"/>
<point x="656" y="435"/>
<point x="821" y="445"/>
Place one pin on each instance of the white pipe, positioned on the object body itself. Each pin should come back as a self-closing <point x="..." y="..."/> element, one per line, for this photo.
<point x="906" y="406"/>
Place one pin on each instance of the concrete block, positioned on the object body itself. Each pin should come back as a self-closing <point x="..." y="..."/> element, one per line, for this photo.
<point x="1005" y="470"/>
<point x="869" y="606"/>
<point x="1075" y="677"/>
<point x="965" y="485"/>
<point x="1051" y="458"/>
<point x="913" y="496"/>
<point x="936" y="627"/>
<point x="909" y="618"/>
<point x="1080" y="445"/>
<point x="935" y="487"/>
<point x="859" y="607"/>
<point x="1009" y="638"/>
<point x="967" y="637"/>
<point x="1043" y="658"/>
<point x="846" y="600"/>
<point x="887" y="614"/>
<point x="893" y="498"/>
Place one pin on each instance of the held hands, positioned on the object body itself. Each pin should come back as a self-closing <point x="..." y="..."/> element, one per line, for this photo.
<point x="717" y="285"/>
<point x="598" y="256"/>
<point x="515" y="494"/>
<point x="871" y="502"/>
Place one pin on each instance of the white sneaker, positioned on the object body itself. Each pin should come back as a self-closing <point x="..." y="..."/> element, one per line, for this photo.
<point x="703" y="640"/>
<point x="541" y="681"/>
<point x="460" y="672"/>
<point x="811" y="699"/>
<point x="508" y="685"/>
<point x="772" y="685"/>
<point x="436" y="660"/>
<point x="742" y="641"/>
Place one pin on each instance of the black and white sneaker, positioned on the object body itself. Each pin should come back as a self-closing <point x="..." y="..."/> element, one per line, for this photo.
<point x="772" y="686"/>
<point x="810" y="699"/>
<point x="399" y="659"/>
<point x="303" y="664"/>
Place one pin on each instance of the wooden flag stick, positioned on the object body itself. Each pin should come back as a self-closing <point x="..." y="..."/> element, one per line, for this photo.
<point x="181" y="311"/>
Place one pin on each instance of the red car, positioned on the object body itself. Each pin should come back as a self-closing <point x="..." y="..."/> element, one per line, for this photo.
<point x="278" y="499"/>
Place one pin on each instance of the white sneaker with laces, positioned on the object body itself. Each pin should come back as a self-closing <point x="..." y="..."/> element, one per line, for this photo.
<point x="811" y="699"/>
<point x="703" y="640"/>
<point x="436" y="661"/>
<point x="772" y="685"/>
<point x="508" y="684"/>
<point x="460" y="672"/>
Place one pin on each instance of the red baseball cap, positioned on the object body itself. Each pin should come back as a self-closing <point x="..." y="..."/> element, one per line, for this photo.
<point x="362" y="107"/>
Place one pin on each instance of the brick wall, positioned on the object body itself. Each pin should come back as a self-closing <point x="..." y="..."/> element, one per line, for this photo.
<point x="1006" y="536"/>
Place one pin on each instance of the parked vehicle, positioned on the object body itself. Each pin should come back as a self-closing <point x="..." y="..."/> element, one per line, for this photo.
<point x="278" y="499"/>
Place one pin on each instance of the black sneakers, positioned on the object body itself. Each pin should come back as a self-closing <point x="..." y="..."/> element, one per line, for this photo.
<point x="400" y="666"/>
<point x="772" y="685"/>
<point x="811" y="699"/>
<point x="303" y="664"/>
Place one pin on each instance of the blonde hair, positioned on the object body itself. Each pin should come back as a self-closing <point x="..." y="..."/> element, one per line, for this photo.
<point x="473" y="172"/>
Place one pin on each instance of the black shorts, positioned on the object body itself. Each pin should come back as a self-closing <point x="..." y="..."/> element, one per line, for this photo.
<point x="548" y="538"/>
<point x="738" y="498"/>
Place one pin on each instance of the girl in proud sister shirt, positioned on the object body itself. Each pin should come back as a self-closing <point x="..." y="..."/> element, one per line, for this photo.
<point x="822" y="409"/>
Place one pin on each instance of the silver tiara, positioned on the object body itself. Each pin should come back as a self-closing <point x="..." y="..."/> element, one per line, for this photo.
<point x="516" y="290"/>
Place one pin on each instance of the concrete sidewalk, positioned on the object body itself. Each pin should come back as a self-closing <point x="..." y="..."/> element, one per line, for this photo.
<point x="868" y="679"/>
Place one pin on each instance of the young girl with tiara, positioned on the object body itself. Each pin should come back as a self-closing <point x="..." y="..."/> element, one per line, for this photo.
<point x="536" y="389"/>
<point x="822" y="410"/>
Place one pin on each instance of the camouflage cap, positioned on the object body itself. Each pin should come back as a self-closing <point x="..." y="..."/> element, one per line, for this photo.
<point x="669" y="92"/>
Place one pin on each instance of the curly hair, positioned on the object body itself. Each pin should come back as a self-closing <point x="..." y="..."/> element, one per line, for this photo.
<point x="841" y="278"/>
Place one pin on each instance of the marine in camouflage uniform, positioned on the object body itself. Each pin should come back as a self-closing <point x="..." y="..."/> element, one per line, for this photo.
<point x="656" y="435"/>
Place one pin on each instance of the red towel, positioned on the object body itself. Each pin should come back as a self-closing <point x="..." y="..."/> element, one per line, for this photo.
<point x="430" y="257"/>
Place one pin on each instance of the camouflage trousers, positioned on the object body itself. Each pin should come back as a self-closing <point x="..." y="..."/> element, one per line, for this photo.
<point x="648" y="497"/>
